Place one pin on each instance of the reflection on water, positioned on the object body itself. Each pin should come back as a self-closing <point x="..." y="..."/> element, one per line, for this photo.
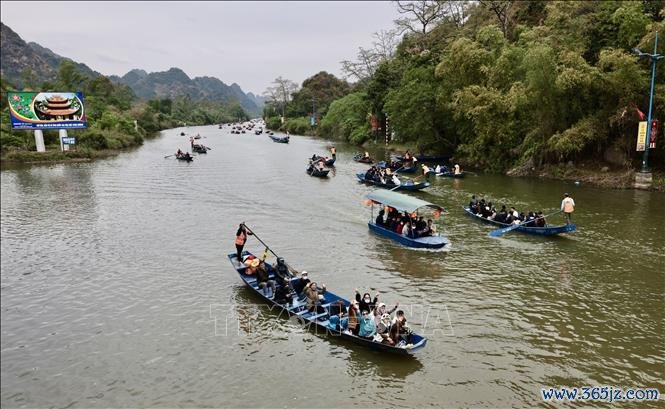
<point x="116" y="271"/>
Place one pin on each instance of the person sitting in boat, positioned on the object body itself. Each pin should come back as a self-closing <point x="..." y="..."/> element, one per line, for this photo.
<point x="421" y="226"/>
<point x="473" y="204"/>
<point x="352" y="326"/>
<point x="396" y="180"/>
<point x="379" y="219"/>
<point x="366" y="302"/>
<point x="366" y="155"/>
<point x="299" y="284"/>
<point x="263" y="280"/>
<point x="400" y="226"/>
<point x="367" y="325"/>
<point x="530" y="220"/>
<point x="458" y="170"/>
<point x="179" y="153"/>
<point x="381" y="309"/>
<point x="399" y="330"/>
<point x="337" y="308"/>
<point x="284" y="293"/>
<point x="407" y="230"/>
<point x="338" y="323"/>
<point x="281" y="270"/>
<point x="430" y="230"/>
<point x="383" y="330"/>
<point x="314" y="295"/>
<point x="425" y="169"/>
<point x="540" y="219"/>
<point x="320" y="165"/>
<point x="437" y="169"/>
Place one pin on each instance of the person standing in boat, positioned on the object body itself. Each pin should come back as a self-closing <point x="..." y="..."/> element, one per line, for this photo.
<point x="458" y="170"/>
<point x="567" y="207"/>
<point x="333" y="151"/>
<point x="241" y="238"/>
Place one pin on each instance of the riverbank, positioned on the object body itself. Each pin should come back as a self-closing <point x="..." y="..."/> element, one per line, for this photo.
<point x="56" y="156"/>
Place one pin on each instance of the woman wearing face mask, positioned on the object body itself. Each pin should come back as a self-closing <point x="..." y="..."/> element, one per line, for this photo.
<point x="365" y="302"/>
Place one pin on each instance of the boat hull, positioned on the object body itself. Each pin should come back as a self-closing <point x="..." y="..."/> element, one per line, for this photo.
<point x="319" y="324"/>
<point x="536" y="231"/>
<point x="279" y="140"/>
<point x="428" y="242"/>
<point x="318" y="173"/>
<point x="405" y="185"/>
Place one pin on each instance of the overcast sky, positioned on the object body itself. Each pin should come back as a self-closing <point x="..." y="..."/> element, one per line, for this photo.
<point x="249" y="43"/>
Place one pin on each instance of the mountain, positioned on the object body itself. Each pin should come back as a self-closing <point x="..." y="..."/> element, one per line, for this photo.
<point x="17" y="55"/>
<point x="258" y="100"/>
<point x="175" y="82"/>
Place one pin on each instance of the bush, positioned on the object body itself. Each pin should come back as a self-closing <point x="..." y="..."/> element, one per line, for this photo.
<point x="274" y="123"/>
<point x="299" y="126"/>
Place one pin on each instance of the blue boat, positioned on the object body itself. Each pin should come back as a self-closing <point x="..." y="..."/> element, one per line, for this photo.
<point x="277" y="139"/>
<point x="318" y="322"/>
<point x="405" y="184"/>
<point x="399" y="168"/>
<point x="404" y="203"/>
<point x="538" y="231"/>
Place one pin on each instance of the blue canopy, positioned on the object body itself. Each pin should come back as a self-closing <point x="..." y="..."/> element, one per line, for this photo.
<point x="403" y="203"/>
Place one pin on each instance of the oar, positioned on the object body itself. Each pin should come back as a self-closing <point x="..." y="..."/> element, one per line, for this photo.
<point x="168" y="156"/>
<point x="269" y="249"/>
<point x="498" y="232"/>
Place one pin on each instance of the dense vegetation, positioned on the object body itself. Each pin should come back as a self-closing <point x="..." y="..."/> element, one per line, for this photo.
<point x="111" y="112"/>
<point x="510" y="84"/>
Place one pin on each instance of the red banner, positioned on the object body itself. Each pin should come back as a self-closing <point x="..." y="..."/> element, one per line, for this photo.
<point x="374" y="125"/>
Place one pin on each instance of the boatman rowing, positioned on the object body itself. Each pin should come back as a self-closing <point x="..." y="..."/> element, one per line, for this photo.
<point x="567" y="207"/>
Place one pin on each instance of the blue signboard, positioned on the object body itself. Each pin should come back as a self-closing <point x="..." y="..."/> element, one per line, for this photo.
<point x="69" y="141"/>
<point x="46" y="110"/>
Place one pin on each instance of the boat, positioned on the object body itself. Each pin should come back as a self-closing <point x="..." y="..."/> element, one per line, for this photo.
<point x="405" y="184"/>
<point x="329" y="162"/>
<point x="408" y="204"/>
<point x="318" y="322"/>
<point x="258" y="132"/>
<point x="277" y="139"/>
<point x="427" y="158"/>
<point x="185" y="156"/>
<point x="398" y="167"/>
<point x="320" y="173"/>
<point x="200" y="149"/>
<point x="448" y="174"/>
<point x="538" y="231"/>
<point x="362" y="158"/>
<point x="197" y="137"/>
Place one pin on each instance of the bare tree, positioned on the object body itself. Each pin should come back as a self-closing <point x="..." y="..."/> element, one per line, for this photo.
<point x="456" y="12"/>
<point x="419" y="15"/>
<point x="368" y="59"/>
<point x="281" y="92"/>
<point x="500" y="9"/>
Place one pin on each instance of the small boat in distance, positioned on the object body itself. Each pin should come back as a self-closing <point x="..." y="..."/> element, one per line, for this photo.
<point x="320" y="321"/>
<point x="185" y="157"/>
<point x="399" y="167"/>
<point x="410" y="205"/>
<point x="277" y="139"/>
<point x="405" y="184"/>
<point x="538" y="231"/>
<point x="362" y="158"/>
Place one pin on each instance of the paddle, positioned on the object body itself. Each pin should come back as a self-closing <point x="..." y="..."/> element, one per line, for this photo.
<point x="269" y="249"/>
<point x="168" y="156"/>
<point x="498" y="232"/>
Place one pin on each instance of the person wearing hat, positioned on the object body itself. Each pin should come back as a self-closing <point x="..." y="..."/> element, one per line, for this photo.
<point x="383" y="330"/>
<point x="299" y="284"/>
<point x="567" y="207"/>
<point x="252" y="264"/>
<point x="282" y="270"/>
<point x="381" y="310"/>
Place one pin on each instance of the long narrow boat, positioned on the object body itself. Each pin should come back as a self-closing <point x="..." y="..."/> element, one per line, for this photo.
<point x="319" y="322"/>
<point x="362" y="158"/>
<point x="399" y="168"/>
<point x="329" y="162"/>
<point x="319" y="173"/>
<point x="408" y="204"/>
<point x="277" y="139"/>
<point x="538" y="231"/>
<point x="185" y="157"/>
<point x="427" y="158"/>
<point x="448" y="174"/>
<point x="200" y="149"/>
<point x="405" y="184"/>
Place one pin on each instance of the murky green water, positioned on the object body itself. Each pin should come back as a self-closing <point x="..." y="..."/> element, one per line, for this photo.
<point x="116" y="290"/>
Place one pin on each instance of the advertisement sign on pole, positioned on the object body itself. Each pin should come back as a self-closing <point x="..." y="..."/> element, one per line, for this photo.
<point x="641" y="136"/>
<point x="653" y="133"/>
<point x="46" y="110"/>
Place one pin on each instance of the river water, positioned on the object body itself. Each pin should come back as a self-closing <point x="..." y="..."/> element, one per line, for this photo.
<point x="116" y="290"/>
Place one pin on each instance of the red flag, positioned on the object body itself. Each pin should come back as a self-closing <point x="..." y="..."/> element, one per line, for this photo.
<point x="640" y="113"/>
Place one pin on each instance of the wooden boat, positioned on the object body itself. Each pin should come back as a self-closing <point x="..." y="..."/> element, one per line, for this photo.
<point x="448" y="174"/>
<point x="399" y="167"/>
<point x="200" y="149"/>
<point x="185" y="156"/>
<point x="329" y="162"/>
<point x="538" y="231"/>
<point x="427" y="158"/>
<point x="319" y="322"/>
<point x="362" y="159"/>
<point x="258" y="132"/>
<point x="313" y="171"/>
<point x="411" y="205"/>
<point x="277" y="139"/>
<point x="405" y="184"/>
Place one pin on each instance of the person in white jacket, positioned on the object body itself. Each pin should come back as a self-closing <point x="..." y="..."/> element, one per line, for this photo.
<point x="567" y="207"/>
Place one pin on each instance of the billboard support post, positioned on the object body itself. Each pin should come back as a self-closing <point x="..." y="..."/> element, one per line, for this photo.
<point x="39" y="140"/>
<point x="62" y="133"/>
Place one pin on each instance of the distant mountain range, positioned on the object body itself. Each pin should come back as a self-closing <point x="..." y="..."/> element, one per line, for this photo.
<point x="17" y="55"/>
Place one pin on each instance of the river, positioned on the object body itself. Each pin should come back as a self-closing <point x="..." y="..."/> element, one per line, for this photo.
<point x="116" y="290"/>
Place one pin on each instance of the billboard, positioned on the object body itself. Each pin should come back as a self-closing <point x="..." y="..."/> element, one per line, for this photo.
<point x="46" y="110"/>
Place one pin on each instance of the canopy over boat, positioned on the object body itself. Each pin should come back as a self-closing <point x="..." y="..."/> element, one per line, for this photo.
<point x="401" y="202"/>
